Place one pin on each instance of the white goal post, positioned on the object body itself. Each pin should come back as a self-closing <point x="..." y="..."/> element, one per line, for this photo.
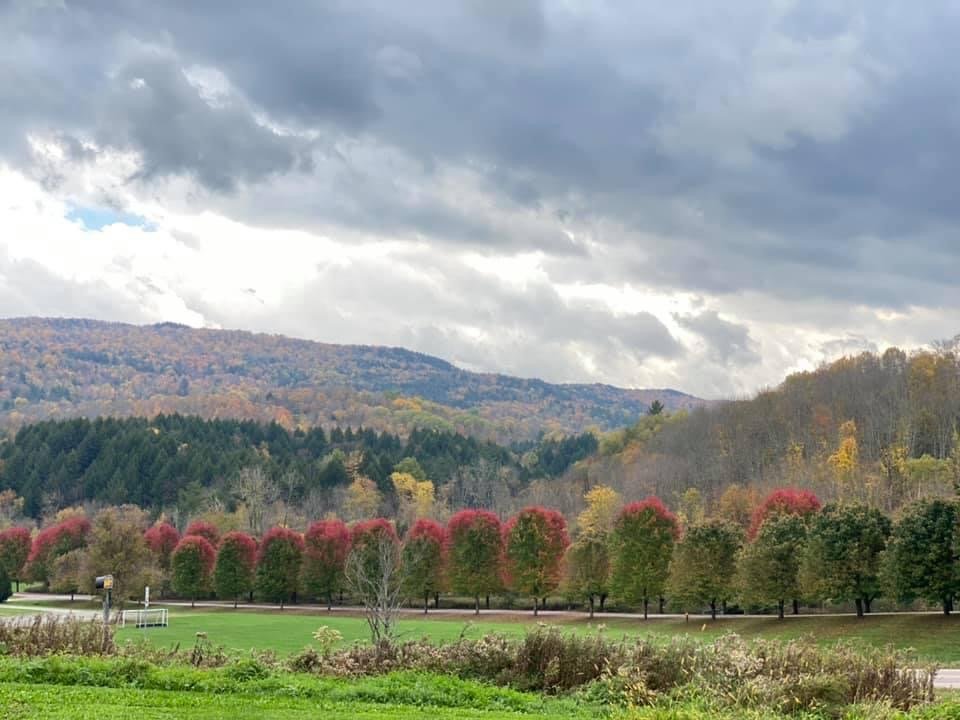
<point x="144" y="618"/>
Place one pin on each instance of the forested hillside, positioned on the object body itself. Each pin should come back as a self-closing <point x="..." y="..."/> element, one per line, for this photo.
<point x="67" y="368"/>
<point x="188" y="465"/>
<point x="877" y="428"/>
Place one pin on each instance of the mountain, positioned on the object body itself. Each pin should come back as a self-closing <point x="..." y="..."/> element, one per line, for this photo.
<point x="60" y="368"/>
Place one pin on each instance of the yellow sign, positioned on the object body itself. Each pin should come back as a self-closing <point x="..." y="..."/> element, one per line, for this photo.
<point x="108" y="582"/>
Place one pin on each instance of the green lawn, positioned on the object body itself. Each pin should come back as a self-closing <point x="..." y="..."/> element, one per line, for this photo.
<point x="932" y="636"/>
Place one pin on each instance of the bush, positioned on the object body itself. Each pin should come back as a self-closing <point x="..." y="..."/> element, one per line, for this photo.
<point x="53" y="634"/>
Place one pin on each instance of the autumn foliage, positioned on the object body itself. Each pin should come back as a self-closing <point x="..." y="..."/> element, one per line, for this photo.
<point x="474" y="551"/>
<point x="192" y="563"/>
<point x="204" y="529"/>
<point x="278" y="564"/>
<point x="535" y="540"/>
<point x="162" y="538"/>
<point x="235" y="565"/>
<point x="326" y="544"/>
<point x="784" y="501"/>
<point x="642" y="543"/>
<point x="54" y="541"/>
<point x="424" y="558"/>
<point x="15" y="545"/>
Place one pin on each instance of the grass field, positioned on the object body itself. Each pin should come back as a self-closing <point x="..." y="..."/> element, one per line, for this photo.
<point x="933" y="637"/>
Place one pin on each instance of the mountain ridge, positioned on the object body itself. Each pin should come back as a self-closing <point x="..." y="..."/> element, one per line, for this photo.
<point x="65" y="367"/>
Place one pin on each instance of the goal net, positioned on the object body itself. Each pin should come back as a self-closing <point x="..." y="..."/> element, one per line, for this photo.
<point x="144" y="618"/>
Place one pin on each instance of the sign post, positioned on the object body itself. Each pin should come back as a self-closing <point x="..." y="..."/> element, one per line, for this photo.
<point x="105" y="583"/>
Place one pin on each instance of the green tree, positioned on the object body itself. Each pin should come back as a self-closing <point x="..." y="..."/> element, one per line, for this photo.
<point x="423" y="552"/>
<point x="117" y="547"/>
<point x="535" y="540"/>
<point x="921" y="558"/>
<point x="641" y="545"/>
<point x="769" y="565"/>
<point x="841" y="560"/>
<point x="191" y="565"/>
<point x="704" y="566"/>
<point x="278" y="565"/>
<point x="475" y="550"/>
<point x="588" y="568"/>
<point x="236" y="561"/>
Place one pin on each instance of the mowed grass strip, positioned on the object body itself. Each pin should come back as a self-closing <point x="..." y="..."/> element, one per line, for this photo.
<point x="933" y="637"/>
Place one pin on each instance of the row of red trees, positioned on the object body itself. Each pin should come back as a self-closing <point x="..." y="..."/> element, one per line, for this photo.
<point x="473" y="555"/>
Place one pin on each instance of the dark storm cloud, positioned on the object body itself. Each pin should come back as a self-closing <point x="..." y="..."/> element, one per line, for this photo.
<point x="728" y="343"/>
<point x="802" y="150"/>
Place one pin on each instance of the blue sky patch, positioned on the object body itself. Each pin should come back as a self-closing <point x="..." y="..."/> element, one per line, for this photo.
<point x="96" y="218"/>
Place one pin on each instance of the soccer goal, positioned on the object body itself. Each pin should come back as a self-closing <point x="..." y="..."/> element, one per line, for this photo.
<point x="144" y="618"/>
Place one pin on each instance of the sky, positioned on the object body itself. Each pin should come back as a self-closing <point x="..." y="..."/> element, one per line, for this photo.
<point x="698" y="195"/>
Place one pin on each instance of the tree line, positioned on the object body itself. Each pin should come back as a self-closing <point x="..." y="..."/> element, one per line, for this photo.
<point x="877" y="428"/>
<point x="787" y="550"/>
<point x="181" y="463"/>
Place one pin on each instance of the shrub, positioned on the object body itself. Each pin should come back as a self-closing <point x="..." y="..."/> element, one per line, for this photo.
<point x="55" y="634"/>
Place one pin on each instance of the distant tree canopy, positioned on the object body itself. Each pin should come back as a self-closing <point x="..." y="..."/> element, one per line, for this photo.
<point x="163" y="462"/>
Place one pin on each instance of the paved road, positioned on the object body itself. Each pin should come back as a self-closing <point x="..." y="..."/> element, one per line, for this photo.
<point x="945" y="679"/>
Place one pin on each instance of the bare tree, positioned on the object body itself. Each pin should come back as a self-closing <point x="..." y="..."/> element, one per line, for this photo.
<point x="258" y="492"/>
<point x="374" y="575"/>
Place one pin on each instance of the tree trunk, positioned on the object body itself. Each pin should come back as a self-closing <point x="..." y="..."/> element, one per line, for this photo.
<point x="426" y="602"/>
<point x="713" y="609"/>
<point x="723" y="607"/>
<point x="867" y="602"/>
<point x="947" y="606"/>
<point x="476" y="610"/>
<point x="436" y="601"/>
<point x="250" y="596"/>
<point x="591" y="607"/>
<point x="236" y="599"/>
<point x="341" y="597"/>
<point x="645" y="602"/>
<point x="543" y="603"/>
<point x="796" y="606"/>
<point x="329" y="601"/>
<point x="488" y="602"/>
<point x="859" y="604"/>
<point x="662" y="601"/>
<point x="71" y="595"/>
<point x="534" y="605"/>
<point x="193" y="601"/>
<point x="780" y="604"/>
<point x="603" y="601"/>
<point x="281" y="603"/>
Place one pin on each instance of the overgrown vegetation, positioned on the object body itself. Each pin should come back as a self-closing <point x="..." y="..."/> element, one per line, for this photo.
<point x="593" y="672"/>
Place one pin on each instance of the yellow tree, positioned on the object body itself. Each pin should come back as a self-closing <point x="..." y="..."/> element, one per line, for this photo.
<point x="603" y="504"/>
<point x="845" y="461"/>
<point x="363" y="499"/>
<point x="414" y="497"/>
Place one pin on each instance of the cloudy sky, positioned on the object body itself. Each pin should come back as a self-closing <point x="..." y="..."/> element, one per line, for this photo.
<point x="691" y="194"/>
